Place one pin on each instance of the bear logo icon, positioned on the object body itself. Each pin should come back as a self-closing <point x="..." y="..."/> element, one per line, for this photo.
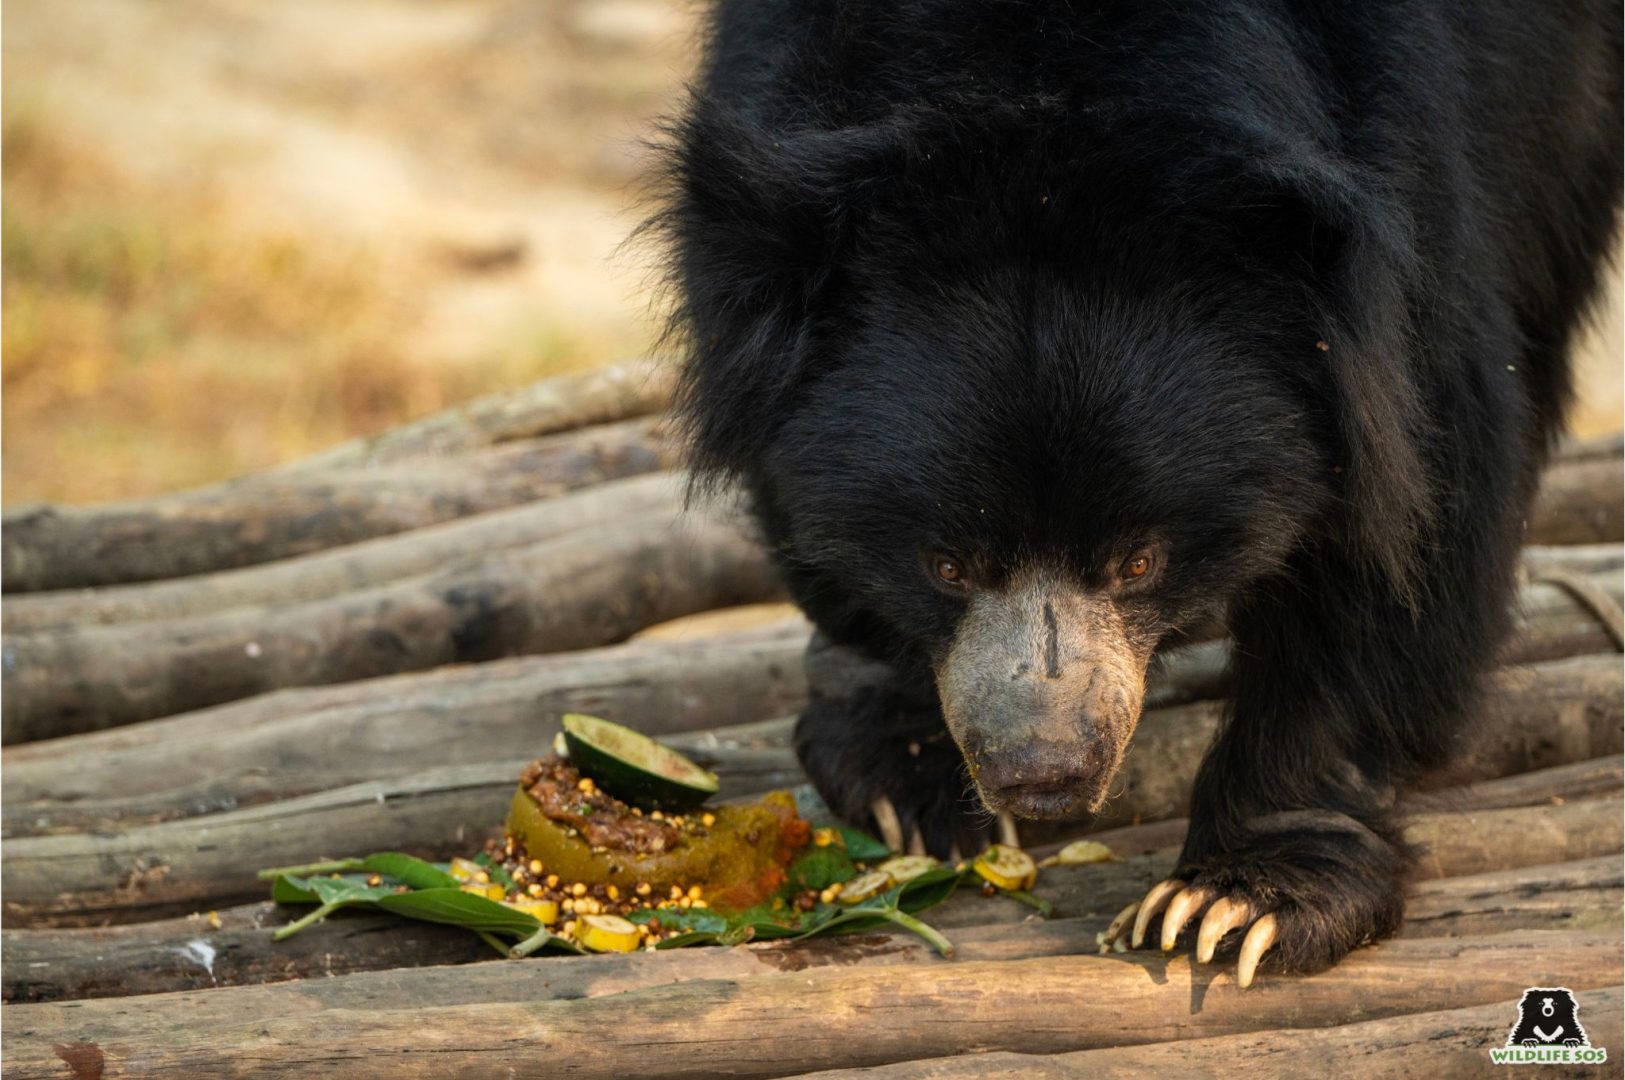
<point x="1547" y="1016"/>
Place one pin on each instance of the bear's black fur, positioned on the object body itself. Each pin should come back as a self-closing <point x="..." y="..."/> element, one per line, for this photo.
<point x="1280" y="293"/>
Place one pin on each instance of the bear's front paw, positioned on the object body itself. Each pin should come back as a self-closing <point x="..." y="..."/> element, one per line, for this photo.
<point x="909" y="787"/>
<point x="1304" y="888"/>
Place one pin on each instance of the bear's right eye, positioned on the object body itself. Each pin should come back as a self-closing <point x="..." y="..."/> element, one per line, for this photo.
<point x="949" y="570"/>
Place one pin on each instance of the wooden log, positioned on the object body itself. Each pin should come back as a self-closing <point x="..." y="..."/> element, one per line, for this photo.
<point x="178" y="866"/>
<point x="564" y="403"/>
<point x="1598" y="446"/>
<point x="190" y="953"/>
<point x="1596" y="778"/>
<point x="1602" y="777"/>
<point x="1581" y="895"/>
<point x="1541" y="716"/>
<point x="571" y="592"/>
<point x="326" y="574"/>
<point x="263" y="518"/>
<point x="867" y="1016"/>
<point x="1531" y="717"/>
<point x="1441" y="1045"/>
<point x="1581" y="558"/>
<point x="1579" y="503"/>
<point x="300" y="741"/>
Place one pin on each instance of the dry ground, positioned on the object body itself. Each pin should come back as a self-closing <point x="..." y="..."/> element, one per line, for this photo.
<point x="237" y="231"/>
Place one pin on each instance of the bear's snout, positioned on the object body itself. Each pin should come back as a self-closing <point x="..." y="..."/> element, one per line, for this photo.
<point x="1041" y="689"/>
<point x="1044" y="780"/>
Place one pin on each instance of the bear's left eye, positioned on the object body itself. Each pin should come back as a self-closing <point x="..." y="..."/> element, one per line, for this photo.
<point x="949" y="571"/>
<point x="1135" y="567"/>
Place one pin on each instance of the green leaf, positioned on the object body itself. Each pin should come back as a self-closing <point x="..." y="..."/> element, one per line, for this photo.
<point x="289" y="889"/>
<point x="703" y="920"/>
<point x="818" y="868"/>
<point x="458" y="908"/>
<point x="860" y="846"/>
<point x="409" y="871"/>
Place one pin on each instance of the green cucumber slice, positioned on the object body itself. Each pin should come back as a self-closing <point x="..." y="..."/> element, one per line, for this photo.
<point x="633" y="767"/>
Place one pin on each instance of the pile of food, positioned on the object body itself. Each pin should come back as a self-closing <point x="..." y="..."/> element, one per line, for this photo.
<point x="610" y="846"/>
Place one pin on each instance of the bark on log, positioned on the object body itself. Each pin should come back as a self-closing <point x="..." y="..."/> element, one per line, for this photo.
<point x="1598" y="446"/>
<point x="1581" y="895"/>
<point x="300" y="741"/>
<point x="296" y="742"/>
<point x="1602" y="777"/>
<point x="1581" y="558"/>
<point x="326" y="574"/>
<point x="572" y="592"/>
<point x="1579" y="503"/>
<point x="1442" y="1045"/>
<point x="178" y="866"/>
<point x="714" y="1027"/>
<point x="189" y="954"/>
<point x="261" y="518"/>
<point x="1531" y="717"/>
<point x="153" y="871"/>
<point x="565" y="403"/>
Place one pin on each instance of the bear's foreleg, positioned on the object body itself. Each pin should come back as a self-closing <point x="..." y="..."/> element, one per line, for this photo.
<point x="1344" y="691"/>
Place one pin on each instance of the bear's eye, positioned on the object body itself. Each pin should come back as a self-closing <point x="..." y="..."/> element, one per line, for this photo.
<point x="949" y="570"/>
<point x="1136" y="566"/>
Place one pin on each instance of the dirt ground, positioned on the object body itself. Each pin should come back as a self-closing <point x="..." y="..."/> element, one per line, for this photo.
<point x="237" y="231"/>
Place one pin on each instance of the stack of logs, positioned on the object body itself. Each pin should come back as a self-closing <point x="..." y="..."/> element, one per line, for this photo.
<point x="357" y="653"/>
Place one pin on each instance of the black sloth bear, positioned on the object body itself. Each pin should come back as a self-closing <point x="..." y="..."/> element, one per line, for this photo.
<point x="1040" y="334"/>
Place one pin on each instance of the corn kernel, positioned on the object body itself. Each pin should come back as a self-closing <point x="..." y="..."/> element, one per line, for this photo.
<point x="569" y="927"/>
<point x="535" y="867"/>
<point x="643" y="888"/>
<point x="585" y="785"/>
<point x="708" y="820"/>
<point x="695" y="892"/>
<point x="552" y="881"/>
<point x="578" y="889"/>
<point x="699" y="904"/>
<point x="676" y="892"/>
<point x="612" y="892"/>
<point x="569" y="905"/>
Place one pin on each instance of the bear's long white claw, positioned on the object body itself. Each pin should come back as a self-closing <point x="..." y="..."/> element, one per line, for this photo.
<point x="1259" y="940"/>
<point x="955" y="856"/>
<point x="1008" y="836"/>
<point x="1224" y="916"/>
<point x="916" y="843"/>
<point x="1155" y="900"/>
<point x="891" y="829"/>
<point x="1123" y="920"/>
<point x="1181" y="910"/>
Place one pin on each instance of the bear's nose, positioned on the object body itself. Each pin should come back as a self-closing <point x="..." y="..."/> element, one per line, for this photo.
<point x="1046" y="781"/>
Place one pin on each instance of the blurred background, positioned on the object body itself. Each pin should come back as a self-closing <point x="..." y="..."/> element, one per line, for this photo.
<point x="238" y="231"/>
